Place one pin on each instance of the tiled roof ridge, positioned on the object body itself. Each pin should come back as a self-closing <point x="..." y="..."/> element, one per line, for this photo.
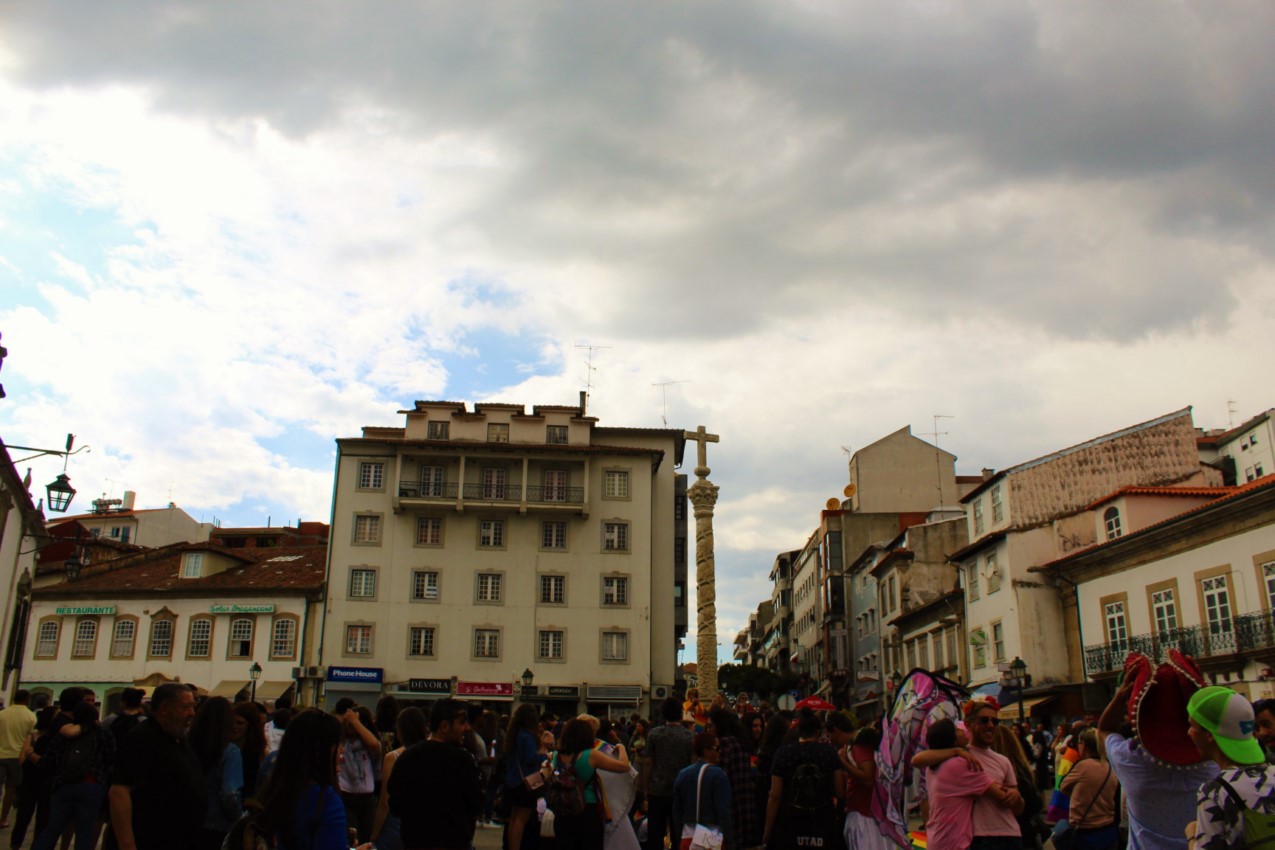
<point x="1160" y="490"/>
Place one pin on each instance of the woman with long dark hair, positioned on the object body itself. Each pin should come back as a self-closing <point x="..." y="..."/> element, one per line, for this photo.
<point x="411" y="727"/>
<point x="212" y="737"/>
<point x="522" y="759"/>
<point x="584" y="831"/>
<point x="733" y="758"/>
<point x="250" y="738"/>
<point x="300" y="802"/>
<point x="81" y="768"/>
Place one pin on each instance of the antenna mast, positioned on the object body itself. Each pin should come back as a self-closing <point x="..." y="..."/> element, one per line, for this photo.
<point x="588" y="379"/>
<point x="664" y="385"/>
<point x="1230" y="413"/>
<point x="938" y="462"/>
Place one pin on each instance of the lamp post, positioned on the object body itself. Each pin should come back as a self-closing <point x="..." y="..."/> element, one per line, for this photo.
<point x="58" y="492"/>
<point x="527" y="678"/>
<point x="1018" y="667"/>
<point x="255" y="672"/>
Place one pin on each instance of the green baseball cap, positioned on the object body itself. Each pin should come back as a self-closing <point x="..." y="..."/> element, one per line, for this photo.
<point x="1229" y="717"/>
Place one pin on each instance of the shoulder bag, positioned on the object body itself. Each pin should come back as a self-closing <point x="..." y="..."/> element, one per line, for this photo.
<point x="705" y="837"/>
<point x="1065" y="834"/>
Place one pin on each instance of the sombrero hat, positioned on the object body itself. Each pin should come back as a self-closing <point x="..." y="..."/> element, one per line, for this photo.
<point x="1157" y="705"/>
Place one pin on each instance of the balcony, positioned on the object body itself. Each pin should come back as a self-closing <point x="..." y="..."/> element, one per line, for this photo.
<point x="416" y="494"/>
<point x="1241" y="635"/>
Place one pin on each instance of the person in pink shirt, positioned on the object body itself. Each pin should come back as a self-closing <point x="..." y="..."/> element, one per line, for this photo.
<point x="954" y="784"/>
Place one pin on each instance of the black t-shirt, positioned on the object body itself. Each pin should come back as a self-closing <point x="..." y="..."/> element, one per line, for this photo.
<point x="168" y="788"/>
<point x="435" y="790"/>
<point x="790" y="756"/>
<point x="125" y="723"/>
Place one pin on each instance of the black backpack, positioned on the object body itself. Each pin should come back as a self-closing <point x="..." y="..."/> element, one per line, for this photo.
<point x="78" y="758"/>
<point x="564" y="792"/>
<point x="810" y="788"/>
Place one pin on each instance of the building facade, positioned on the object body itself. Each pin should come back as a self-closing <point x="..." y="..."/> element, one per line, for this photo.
<point x="118" y="520"/>
<point x="492" y="553"/>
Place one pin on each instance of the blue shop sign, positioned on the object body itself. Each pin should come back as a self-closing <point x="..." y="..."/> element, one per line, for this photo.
<point x="360" y="675"/>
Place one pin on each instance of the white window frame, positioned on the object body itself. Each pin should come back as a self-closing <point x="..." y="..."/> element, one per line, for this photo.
<point x="85" y="643"/>
<point x="429" y="531"/>
<point x="1111" y="522"/>
<point x="367" y="530"/>
<point x="422" y="641"/>
<point x="195" y="642"/>
<point x="615" y="536"/>
<point x="421" y="585"/>
<point x="557" y="435"/>
<point x="123" y="647"/>
<point x="192" y="564"/>
<point x="615" y="484"/>
<point x="438" y="430"/>
<point x="360" y="639"/>
<point x="998" y="506"/>
<point x="371" y="475"/>
<point x="238" y="622"/>
<point x="283" y="638"/>
<point x="155" y="638"/>
<point x="978" y="516"/>
<point x="619" y="650"/>
<point x="362" y="584"/>
<point x="47" y="635"/>
<point x="615" y="591"/>
<point x="552" y="589"/>
<point x="553" y="535"/>
<point x="486" y="643"/>
<point x="551" y="645"/>
<point x="491" y="534"/>
<point x="1115" y="624"/>
<point x="489" y="588"/>
<point x="433" y="481"/>
<point x="497" y="432"/>
<point x="1164" y="610"/>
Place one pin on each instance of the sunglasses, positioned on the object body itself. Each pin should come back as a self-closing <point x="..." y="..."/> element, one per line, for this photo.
<point x="985" y="721"/>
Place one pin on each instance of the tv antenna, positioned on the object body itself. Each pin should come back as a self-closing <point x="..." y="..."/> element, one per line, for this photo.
<point x="588" y="378"/>
<point x="1230" y="413"/>
<point x="664" y="385"/>
<point x="938" y="461"/>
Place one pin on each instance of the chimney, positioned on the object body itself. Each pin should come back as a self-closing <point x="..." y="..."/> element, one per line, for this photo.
<point x="988" y="473"/>
<point x="583" y="398"/>
<point x="126" y="504"/>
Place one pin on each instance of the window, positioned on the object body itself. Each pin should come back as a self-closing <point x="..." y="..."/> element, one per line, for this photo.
<point x="615" y="536"/>
<point x="951" y="647"/>
<point x="491" y="534"/>
<point x="971" y="582"/>
<point x="1248" y="474"/>
<point x="978" y="647"/>
<point x="998" y="642"/>
<point x="358" y="640"/>
<point x="371" y="476"/>
<point x="978" y="516"/>
<point x="420" y="642"/>
<point x="1111" y="519"/>
<point x="1217" y="604"/>
<point x="241" y="630"/>
<point x="486" y="643"/>
<point x="998" y="507"/>
<point x="192" y="564"/>
<point x="85" y="645"/>
<point x="432" y="481"/>
<point x="46" y="644"/>
<point x="550" y="645"/>
<point x="923" y="653"/>
<point x="555" y="489"/>
<point x="615" y="646"/>
<point x="556" y="435"/>
<point x="615" y="590"/>
<point x="553" y="590"/>
<point x="615" y="484"/>
<point x="438" y="430"/>
<point x="1252" y="439"/>
<point x="1164" y="609"/>
<point x="1117" y="625"/>
<point x="199" y="642"/>
<point x="489" y="587"/>
<point x="553" y="535"/>
<point x="493" y="483"/>
<point x="362" y="584"/>
<point x="498" y="432"/>
<point x="429" y="531"/>
<point x="283" y="640"/>
<point x="425" y="585"/>
<point x="892" y="593"/>
<point x="123" y="638"/>
<point x="938" y="651"/>
<point x="1258" y="472"/>
<point x="367" y="529"/>
<point x="161" y="639"/>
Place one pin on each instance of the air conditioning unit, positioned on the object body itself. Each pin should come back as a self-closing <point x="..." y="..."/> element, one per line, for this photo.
<point x="660" y="692"/>
<point x="314" y="673"/>
<point x="298" y="672"/>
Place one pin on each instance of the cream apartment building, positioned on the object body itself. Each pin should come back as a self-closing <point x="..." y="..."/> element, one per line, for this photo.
<point x="493" y="554"/>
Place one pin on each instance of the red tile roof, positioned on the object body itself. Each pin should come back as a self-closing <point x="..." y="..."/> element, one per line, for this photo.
<point x="1133" y="490"/>
<point x="285" y="569"/>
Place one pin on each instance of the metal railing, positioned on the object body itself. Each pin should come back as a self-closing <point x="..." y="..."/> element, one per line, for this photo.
<point x="417" y="490"/>
<point x="1245" y="633"/>
<point x="555" y="495"/>
<point x="508" y="492"/>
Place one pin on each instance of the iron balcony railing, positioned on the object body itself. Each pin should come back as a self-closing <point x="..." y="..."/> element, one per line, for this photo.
<point x="1245" y="633"/>
<point x="541" y="495"/>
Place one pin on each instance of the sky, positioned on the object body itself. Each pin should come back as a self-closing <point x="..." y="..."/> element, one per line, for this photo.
<point x="230" y="233"/>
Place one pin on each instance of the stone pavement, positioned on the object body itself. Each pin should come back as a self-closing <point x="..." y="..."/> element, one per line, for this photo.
<point x="488" y="838"/>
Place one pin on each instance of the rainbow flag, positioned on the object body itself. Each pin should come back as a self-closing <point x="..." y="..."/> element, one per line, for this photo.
<point x="1060" y="803"/>
<point x="917" y="837"/>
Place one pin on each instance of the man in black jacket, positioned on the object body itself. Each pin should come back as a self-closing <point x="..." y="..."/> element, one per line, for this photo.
<point x="434" y="787"/>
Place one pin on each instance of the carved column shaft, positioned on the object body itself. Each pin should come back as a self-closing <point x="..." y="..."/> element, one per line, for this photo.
<point x="703" y="496"/>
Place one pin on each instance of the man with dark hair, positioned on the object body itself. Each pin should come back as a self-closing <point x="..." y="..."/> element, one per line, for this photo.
<point x="434" y="788"/>
<point x="668" y="750"/>
<point x="157" y="795"/>
<point x="1264" y="714"/>
<point x="16" y="723"/>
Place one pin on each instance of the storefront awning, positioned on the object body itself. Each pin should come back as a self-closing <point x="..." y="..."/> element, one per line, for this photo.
<point x="271" y="689"/>
<point x="228" y="688"/>
<point x="1010" y="712"/>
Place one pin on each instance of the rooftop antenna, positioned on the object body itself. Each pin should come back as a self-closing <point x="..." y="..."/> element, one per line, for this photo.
<point x="938" y="462"/>
<point x="588" y="380"/>
<point x="1230" y="413"/>
<point x="664" y="385"/>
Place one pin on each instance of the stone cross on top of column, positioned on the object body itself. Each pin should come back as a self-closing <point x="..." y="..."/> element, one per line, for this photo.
<point x="700" y="435"/>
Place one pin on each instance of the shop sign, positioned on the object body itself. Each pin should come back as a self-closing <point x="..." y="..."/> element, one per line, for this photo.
<point x="572" y="691"/>
<point x="85" y="610"/>
<point x="362" y="675"/>
<point x="241" y="609"/>
<point x="430" y="686"/>
<point x="484" y="689"/>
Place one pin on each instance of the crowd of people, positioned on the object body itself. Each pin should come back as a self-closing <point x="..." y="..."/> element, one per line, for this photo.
<point x="179" y="773"/>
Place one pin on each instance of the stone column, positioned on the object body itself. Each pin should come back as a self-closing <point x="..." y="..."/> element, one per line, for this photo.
<point x="703" y="496"/>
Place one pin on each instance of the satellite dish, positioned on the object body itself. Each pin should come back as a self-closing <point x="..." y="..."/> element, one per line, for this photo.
<point x="832" y="504"/>
<point x="850" y="491"/>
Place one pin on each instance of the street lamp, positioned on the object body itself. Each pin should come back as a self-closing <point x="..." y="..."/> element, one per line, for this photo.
<point x="255" y="672"/>
<point x="59" y="492"/>
<point x="1018" y="667"/>
<point x="527" y="678"/>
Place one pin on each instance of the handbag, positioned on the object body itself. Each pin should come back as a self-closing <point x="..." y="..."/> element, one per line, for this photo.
<point x="1065" y="835"/>
<point x="705" y="837"/>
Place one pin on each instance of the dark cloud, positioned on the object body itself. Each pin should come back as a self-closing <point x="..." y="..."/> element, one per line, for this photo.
<point x="798" y="156"/>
